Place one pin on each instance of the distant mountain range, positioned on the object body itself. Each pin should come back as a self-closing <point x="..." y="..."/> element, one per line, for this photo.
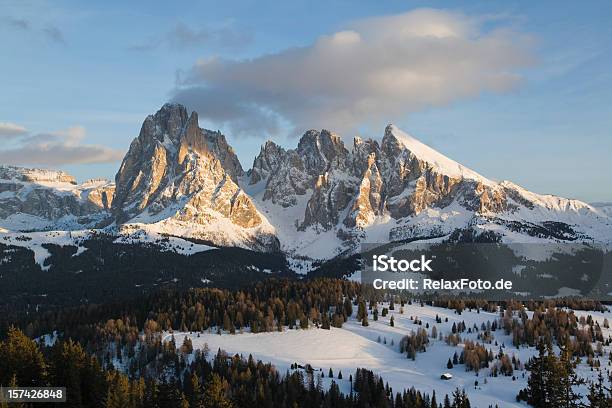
<point x="317" y="201"/>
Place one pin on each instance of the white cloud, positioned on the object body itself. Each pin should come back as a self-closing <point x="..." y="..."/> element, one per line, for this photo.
<point x="375" y="71"/>
<point x="56" y="149"/>
<point x="9" y="129"/>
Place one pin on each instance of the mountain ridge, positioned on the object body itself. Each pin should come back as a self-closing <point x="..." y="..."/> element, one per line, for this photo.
<point x="317" y="201"/>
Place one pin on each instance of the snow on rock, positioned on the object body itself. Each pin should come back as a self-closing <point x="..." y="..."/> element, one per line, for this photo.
<point x="315" y="202"/>
<point x="436" y="160"/>
<point x="182" y="180"/>
<point x="604" y="208"/>
<point x="36" y="199"/>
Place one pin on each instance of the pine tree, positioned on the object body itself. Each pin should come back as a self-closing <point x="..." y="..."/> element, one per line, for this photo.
<point x="597" y="394"/>
<point x="214" y="394"/>
<point x="20" y="357"/>
<point x="68" y="361"/>
<point x="195" y="399"/>
<point x="550" y="381"/>
<point x="460" y="399"/>
<point x="348" y="307"/>
<point x="361" y="310"/>
<point x="118" y="391"/>
<point x="170" y="396"/>
<point x="137" y="393"/>
<point x="187" y="346"/>
<point x="151" y="397"/>
<point x="566" y="380"/>
<point x="303" y="322"/>
<point x="325" y="322"/>
<point x="4" y="404"/>
<point x="536" y="384"/>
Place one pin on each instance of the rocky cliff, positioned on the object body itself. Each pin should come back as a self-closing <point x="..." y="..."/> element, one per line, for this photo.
<point x="179" y="179"/>
<point x="318" y="200"/>
<point x="35" y="199"/>
<point x="400" y="188"/>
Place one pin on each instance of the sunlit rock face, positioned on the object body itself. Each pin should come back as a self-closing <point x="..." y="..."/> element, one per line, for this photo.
<point x="177" y="174"/>
<point x="321" y="199"/>
<point x="404" y="188"/>
<point x="38" y="199"/>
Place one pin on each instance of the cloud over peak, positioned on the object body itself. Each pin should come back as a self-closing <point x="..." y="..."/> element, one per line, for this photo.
<point x="375" y="71"/>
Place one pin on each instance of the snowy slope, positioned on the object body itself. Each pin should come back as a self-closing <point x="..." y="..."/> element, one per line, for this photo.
<point x="354" y="346"/>
<point x="34" y="241"/>
<point x="399" y="189"/>
<point x="604" y="208"/>
<point x="436" y="160"/>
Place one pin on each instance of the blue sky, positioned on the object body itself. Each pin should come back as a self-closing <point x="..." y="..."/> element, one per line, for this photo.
<point x="529" y="99"/>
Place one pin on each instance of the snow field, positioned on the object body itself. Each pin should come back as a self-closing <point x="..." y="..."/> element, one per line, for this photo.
<point x="352" y="346"/>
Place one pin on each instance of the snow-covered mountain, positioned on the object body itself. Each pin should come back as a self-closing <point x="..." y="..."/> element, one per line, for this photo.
<point x="182" y="180"/>
<point x="35" y="199"/>
<point x="318" y="200"/>
<point x="324" y="198"/>
<point x="605" y="208"/>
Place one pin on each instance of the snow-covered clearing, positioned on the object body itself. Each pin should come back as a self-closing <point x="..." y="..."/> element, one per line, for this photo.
<point x="352" y="346"/>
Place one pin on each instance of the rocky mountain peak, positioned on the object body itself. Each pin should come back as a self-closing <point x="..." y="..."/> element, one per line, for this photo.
<point x="217" y="143"/>
<point x="35" y="175"/>
<point x="208" y="143"/>
<point x="270" y="154"/>
<point x="390" y="142"/>
<point x="320" y="147"/>
<point x="171" y="119"/>
<point x="396" y="142"/>
<point x="177" y="174"/>
<point x="321" y="150"/>
<point x="180" y="179"/>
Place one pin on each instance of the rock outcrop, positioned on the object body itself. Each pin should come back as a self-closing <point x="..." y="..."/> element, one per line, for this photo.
<point x="184" y="179"/>
<point x="372" y="179"/>
<point x="36" y="199"/>
<point x="317" y="200"/>
<point x="404" y="187"/>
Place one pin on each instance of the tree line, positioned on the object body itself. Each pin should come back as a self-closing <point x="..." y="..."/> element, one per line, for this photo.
<point x="222" y="381"/>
